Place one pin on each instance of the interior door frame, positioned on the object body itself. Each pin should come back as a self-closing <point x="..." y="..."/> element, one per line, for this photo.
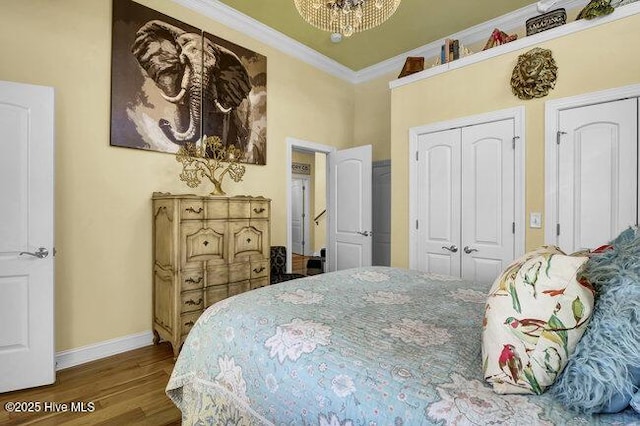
<point x="552" y="111"/>
<point x="517" y="114"/>
<point x="312" y="147"/>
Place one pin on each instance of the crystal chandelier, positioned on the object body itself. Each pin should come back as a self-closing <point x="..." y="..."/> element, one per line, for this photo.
<point x="346" y="16"/>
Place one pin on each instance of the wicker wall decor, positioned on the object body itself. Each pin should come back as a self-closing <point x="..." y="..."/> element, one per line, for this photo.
<point x="534" y="74"/>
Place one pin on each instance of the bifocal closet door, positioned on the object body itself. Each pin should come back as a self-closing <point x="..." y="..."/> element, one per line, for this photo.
<point x="439" y="180"/>
<point x="597" y="173"/>
<point x="488" y="166"/>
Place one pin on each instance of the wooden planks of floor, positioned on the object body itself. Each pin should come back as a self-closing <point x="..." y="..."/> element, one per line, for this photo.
<point x="125" y="389"/>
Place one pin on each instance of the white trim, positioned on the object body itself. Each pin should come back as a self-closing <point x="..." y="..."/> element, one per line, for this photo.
<point x="305" y="146"/>
<point x="230" y="17"/>
<point x="84" y="354"/>
<point x="518" y="116"/>
<point x="551" y="114"/>
<point x="570" y="28"/>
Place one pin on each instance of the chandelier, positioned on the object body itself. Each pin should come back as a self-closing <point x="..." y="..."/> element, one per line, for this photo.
<point x="346" y="16"/>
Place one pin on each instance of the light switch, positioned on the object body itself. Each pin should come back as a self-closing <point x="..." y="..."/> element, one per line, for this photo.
<point x="535" y="220"/>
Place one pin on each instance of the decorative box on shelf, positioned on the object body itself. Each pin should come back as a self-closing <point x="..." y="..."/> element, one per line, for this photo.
<point x="544" y="22"/>
<point x="205" y="249"/>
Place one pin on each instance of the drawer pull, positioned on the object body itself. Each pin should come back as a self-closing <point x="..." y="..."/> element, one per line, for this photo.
<point x="188" y="324"/>
<point x="193" y="281"/>
<point x="248" y="240"/>
<point x="259" y="210"/>
<point x="192" y="210"/>
<point x="193" y="302"/>
<point x="258" y="270"/>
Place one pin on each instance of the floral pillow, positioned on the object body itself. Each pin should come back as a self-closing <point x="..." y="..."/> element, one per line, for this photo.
<point x="536" y="312"/>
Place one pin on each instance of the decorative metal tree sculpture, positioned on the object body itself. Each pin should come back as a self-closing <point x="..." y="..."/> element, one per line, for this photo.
<point x="207" y="158"/>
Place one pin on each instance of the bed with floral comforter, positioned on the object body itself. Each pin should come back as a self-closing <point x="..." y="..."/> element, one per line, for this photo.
<point x="371" y="346"/>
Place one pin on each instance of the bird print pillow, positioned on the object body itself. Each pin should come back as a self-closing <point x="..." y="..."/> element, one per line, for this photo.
<point x="536" y="312"/>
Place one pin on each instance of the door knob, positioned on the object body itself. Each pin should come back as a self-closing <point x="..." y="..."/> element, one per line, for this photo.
<point x="41" y="253"/>
<point x="469" y="250"/>
<point x="452" y="249"/>
<point x="364" y="233"/>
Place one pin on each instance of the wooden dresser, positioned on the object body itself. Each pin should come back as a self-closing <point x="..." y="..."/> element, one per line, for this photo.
<point x="205" y="249"/>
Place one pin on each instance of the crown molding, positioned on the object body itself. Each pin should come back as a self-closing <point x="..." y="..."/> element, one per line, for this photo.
<point x="229" y="17"/>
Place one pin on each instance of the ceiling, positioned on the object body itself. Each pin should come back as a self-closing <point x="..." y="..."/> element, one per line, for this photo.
<point x="415" y="23"/>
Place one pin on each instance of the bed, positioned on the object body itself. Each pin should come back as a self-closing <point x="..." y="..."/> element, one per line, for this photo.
<point x="370" y="346"/>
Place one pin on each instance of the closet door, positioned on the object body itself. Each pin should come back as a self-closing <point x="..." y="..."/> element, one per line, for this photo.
<point x="439" y="202"/>
<point x="597" y="173"/>
<point x="487" y="243"/>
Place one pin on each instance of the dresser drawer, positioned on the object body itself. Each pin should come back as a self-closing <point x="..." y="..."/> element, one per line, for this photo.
<point x="239" y="209"/>
<point x="192" y="301"/>
<point x="239" y="271"/>
<point x="216" y="293"/>
<point x="217" y="274"/>
<point x="239" y="287"/>
<point x="260" y="269"/>
<point x="260" y="209"/>
<point x="259" y="282"/>
<point x="217" y="209"/>
<point x="192" y="280"/>
<point x="187" y="320"/>
<point x="191" y="209"/>
<point x="202" y="241"/>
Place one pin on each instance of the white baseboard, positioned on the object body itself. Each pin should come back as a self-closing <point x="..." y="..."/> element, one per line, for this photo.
<point x="84" y="354"/>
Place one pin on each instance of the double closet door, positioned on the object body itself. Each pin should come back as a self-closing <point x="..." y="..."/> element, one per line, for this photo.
<point x="466" y="200"/>
<point x="597" y="169"/>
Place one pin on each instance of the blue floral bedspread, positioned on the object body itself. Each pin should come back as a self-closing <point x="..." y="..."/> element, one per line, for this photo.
<point x="371" y="346"/>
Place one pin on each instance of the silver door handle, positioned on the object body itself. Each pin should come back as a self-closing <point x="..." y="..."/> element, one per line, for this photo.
<point x="41" y="253"/>
<point x="452" y="249"/>
<point x="364" y="233"/>
<point x="469" y="250"/>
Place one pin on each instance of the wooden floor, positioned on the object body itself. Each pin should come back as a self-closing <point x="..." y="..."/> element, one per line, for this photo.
<point x="126" y="389"/>
<point x="299" y="264"/>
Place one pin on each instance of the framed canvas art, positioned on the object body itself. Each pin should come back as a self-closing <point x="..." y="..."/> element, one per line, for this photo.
<point x="173" y="84"/>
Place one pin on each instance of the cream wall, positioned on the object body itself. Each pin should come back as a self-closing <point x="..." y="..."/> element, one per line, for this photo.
<point x="320" y="202"/>
<point x="599" y="58"/>
<point x="103" y="208"/>
<point x="372" y="116"/>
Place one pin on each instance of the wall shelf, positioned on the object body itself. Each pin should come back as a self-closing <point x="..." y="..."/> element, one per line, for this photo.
<point x="561" y="31"/>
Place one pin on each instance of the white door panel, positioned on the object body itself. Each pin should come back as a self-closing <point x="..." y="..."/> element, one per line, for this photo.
<point x="350" y="182"/>
<point x="487" y="199"/>
<point x="466" y="201"/>
<point x="597" y="173"/>
<point x="439" y="204"/>
<point x="26" y="224"/>
<point x="300" y="215"/>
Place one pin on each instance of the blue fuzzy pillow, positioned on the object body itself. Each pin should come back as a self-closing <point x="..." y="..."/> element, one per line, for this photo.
<point x="601" y="374"/>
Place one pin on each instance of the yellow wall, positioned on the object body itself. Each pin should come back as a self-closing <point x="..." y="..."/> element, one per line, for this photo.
<point x="372" y="116"/>
<point x="103" y="208"/>
<point x="599" y="58"/>
<point x="320" y="202"/>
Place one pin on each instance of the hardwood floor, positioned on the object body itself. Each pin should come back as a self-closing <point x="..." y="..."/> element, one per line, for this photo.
<point x="125" y="389"/>
<point x="299" y="264"/>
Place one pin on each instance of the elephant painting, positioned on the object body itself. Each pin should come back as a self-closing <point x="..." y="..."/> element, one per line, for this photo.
<point x="186" y="84"/>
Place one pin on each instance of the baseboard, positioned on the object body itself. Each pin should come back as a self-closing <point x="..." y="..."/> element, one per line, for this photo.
<point x="84" y="354"/>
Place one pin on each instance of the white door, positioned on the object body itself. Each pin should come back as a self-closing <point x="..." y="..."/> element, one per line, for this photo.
<point x="488" y="199"/>
<point x="26" y="236"/>
<point x="381" y="214"/>
<point x="597" y="173"/>
<point x="439" y="180"/>
<point x="299" y="214"/>
<point x="350" y="208"/>
<point x="466" y="202"/>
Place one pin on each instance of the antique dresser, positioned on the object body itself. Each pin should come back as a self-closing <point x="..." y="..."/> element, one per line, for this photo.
<point x="204" y="250"/>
